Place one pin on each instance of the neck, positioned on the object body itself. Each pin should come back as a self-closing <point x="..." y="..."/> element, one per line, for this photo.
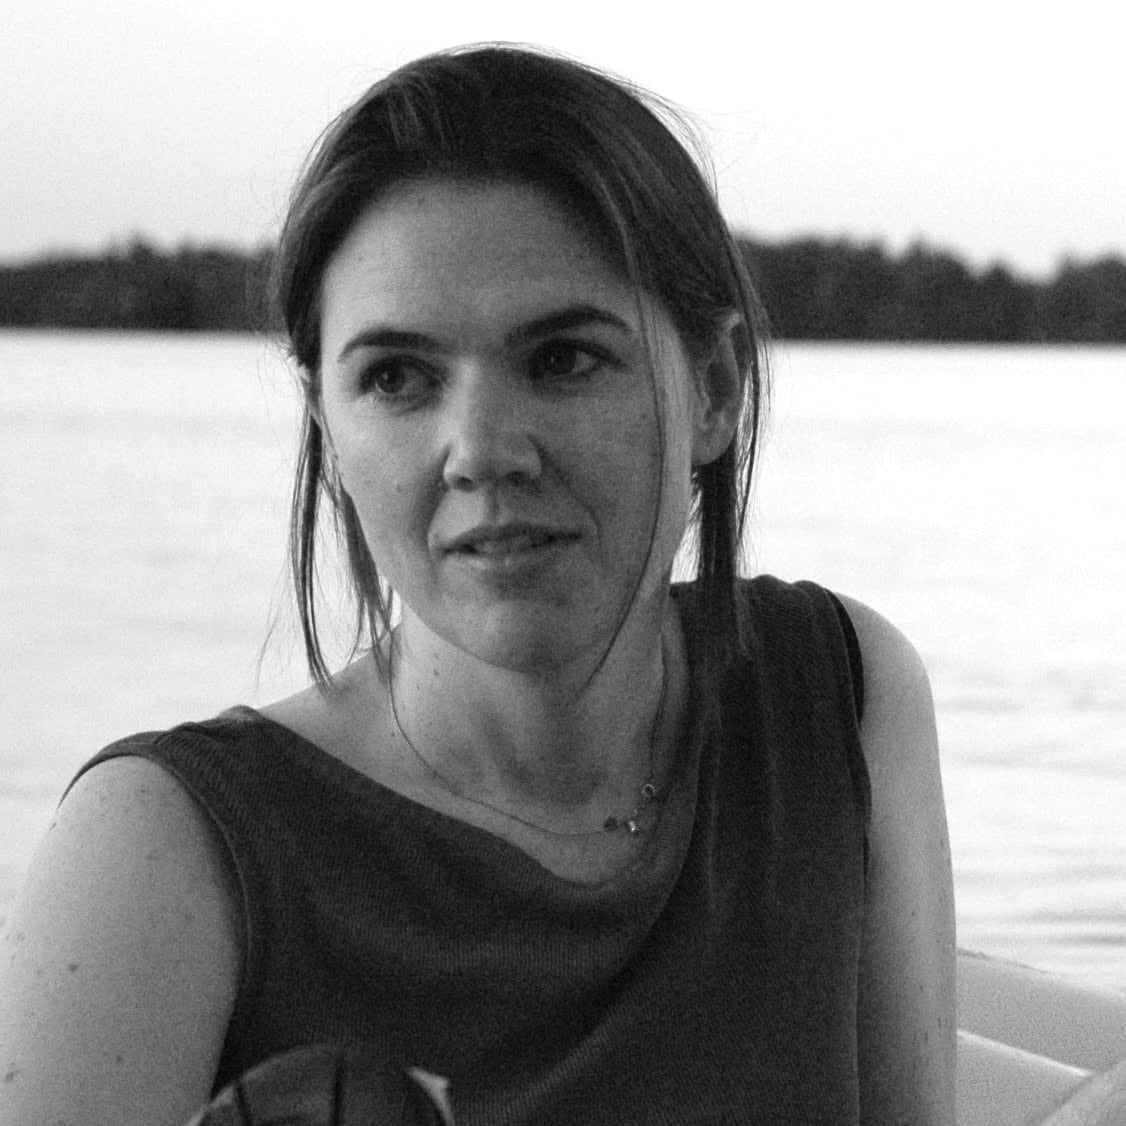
<point x="568" y="744"/>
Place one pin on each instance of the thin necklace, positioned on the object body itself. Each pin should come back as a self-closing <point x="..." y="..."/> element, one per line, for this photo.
<point x="648" y="793"/>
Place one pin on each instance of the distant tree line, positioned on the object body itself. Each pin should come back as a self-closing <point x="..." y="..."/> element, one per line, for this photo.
<point x="813" y="289"/>
<point x="138" y="287"/>
<point x="816" y="289"/>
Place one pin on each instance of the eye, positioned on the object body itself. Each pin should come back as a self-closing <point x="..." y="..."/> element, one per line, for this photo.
<point x="564" y="359"/>
<point x="396" y="377"/>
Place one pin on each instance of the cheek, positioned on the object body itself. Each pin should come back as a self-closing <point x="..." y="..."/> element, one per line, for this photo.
<point x="377" y="491"/>
<point x="380" y="489"/>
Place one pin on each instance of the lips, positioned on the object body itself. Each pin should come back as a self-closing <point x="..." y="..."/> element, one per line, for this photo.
<point x="506" y="539"/>
<point x="506" y="545"/>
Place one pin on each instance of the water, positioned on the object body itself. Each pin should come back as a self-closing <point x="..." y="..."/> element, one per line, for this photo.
<point x="975" y="496"/>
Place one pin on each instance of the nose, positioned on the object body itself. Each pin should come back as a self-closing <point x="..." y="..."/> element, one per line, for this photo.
<point x="491" y="433"/>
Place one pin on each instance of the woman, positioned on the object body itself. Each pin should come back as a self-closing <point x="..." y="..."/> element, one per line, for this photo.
<point x="595" y="846"/>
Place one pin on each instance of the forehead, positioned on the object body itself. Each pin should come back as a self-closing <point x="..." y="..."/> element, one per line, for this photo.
<point x="447" y="249"/>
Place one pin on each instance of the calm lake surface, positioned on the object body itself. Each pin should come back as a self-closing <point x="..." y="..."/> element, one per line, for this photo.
<point x="976" y="496"/>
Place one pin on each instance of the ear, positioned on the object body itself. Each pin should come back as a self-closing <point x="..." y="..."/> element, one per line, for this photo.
<point x="719" y="396"/>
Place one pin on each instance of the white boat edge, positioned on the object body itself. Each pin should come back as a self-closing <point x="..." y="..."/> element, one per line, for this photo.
<point x="1032" y="1043"/>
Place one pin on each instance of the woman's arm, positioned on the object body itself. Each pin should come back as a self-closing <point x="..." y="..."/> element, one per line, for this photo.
<point x="906" y="1023"/>
<point x="120" y="959"/>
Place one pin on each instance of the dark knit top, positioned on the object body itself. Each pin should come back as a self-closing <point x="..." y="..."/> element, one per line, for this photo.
<point x="714" y="980"/>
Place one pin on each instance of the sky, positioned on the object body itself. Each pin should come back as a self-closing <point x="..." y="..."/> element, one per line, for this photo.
<point x="990" y="129"/>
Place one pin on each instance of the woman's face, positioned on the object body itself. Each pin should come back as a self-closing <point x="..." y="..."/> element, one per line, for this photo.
<point x="488" y="399"/>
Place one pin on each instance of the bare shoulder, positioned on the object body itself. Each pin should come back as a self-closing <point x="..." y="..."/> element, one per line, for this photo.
<point x="906" y="1018"/>
<point x="898" y="725"/>
<point x="898" y="730"/>
<point x="892" y="665"/>
<point x="340" y="719"/>
<point x="121" y="957"/>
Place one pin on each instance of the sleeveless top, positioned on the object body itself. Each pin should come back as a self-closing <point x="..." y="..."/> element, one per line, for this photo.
<point x="714" y="980"/>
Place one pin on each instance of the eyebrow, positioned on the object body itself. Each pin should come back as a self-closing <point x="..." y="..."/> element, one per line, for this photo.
<point x="574" y="316"/>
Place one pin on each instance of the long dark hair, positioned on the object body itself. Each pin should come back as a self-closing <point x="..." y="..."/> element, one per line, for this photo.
<point x="608" y="151"/>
